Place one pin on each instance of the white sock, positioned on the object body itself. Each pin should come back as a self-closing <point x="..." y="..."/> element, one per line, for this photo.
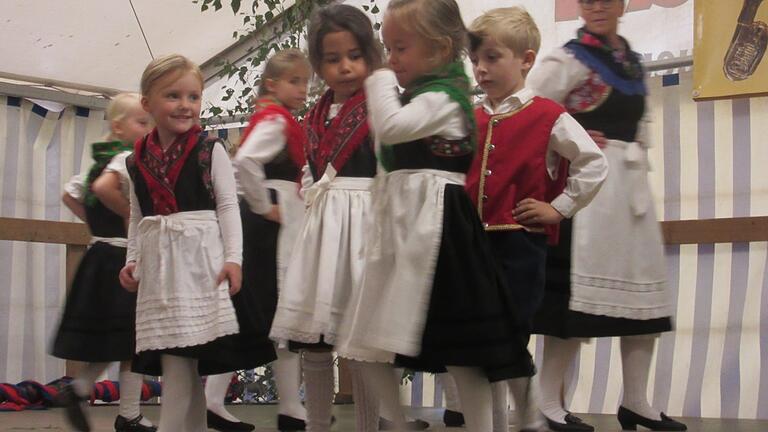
<point x="179" y="376"/>
<point x="318" y="389"/>
<point x="130" y="393"/>
<point x="381" y="379"/>
<point x="83" y="384"/>
<point x="475" y="394"/>
<point x="287" y="371"/>
<point x="197" y="417"/>
<point x="524" y="394"/>
<point x="557" y="356"/>
<point x="216" y="387"/>
<point x="451" y="394"/>
<point x="366" y="400"/>
<point x="636" y="354"/>
<point x="500" y="406"/>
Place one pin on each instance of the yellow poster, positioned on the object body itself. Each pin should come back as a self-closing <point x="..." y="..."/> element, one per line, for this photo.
<point x="730" y="40"/>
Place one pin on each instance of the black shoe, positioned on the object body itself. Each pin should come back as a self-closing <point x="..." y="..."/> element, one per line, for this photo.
<point x="414" y="425"/>
<point x="630" y="419"/>
<point x="453" y="418"/>
<point x="221" y="424"/>
<point x="572" y="424"/>
<point x="73" y="406"/>
<point x="286" y="423"/>
<point x="122" y="424"/>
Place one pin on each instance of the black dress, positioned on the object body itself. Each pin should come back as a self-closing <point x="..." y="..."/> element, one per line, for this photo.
<point x="99" y="319"/>
<point x="247" y="349"/>
<point x="260" y="243"/>
<point x="471" y="320"/>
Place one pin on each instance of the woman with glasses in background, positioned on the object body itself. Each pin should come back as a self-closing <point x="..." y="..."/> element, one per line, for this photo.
<point x="606" y="277"/>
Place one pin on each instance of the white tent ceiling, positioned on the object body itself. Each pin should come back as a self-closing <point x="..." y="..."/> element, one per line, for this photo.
<point x="99" y="42"/>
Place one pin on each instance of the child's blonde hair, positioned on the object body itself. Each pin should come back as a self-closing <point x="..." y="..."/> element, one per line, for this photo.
<point x="118" y="108"/>
<point x="163" y="66"/>
<point x="512" y="26"/>
<point x="280" y="63"/>
<point x="438" y="21"/>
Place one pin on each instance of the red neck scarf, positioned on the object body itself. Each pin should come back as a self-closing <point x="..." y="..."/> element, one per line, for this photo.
<point x="267" y="107"/>
<point x="160" y="169"/>
<point x="336" y="141"/>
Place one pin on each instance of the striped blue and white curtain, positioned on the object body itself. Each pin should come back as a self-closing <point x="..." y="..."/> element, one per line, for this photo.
<point x="39" y="151"/>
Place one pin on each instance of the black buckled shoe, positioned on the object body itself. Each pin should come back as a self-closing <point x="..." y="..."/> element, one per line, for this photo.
<point x="286" y="423"/>
<point x="630" y="419"/>
<point x="74" y="409"/>
<point x="221" y="424"/>
<point x="122" y="424"/>
<point x="413" y="425"/>
<point x="572" y="424"/>
<point x="453" y="418"/>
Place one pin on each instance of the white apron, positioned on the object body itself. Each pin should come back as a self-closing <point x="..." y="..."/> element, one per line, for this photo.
<point x="326" y="262"/>
<point x="179" y="303"/>
<point x="618" y="266"/>
<point x="390" y="311"/>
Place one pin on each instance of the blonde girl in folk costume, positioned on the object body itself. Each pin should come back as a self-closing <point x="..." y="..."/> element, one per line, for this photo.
<point x="185" y="250"/>
<point x="326" y="265"/>
<point x="268" y="169"/>
<point x="431" y="294"/>
<point x="98" y="323"/>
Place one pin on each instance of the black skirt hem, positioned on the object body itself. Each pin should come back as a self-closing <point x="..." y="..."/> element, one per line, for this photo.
<point x="471" y="319"/>
<point x="99" y="318"/>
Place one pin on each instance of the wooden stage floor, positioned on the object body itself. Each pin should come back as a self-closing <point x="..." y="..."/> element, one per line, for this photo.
<point x="263" y="416"/>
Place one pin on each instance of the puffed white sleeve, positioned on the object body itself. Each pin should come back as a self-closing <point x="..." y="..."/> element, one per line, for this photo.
<point x="227" y="209"/>
<point x="428" y="114"/>
<point x="75" y="187"/>
<point x="587" y="169"/>
<point x="117" y="166"/>
<point x="265" y="141"/>
<point x="555" y="75"/>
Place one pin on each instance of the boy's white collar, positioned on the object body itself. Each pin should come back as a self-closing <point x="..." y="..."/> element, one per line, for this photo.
<point x="511" y="102"/>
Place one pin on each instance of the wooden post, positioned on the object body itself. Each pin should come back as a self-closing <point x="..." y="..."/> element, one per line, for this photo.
<point x="74" y="255"/>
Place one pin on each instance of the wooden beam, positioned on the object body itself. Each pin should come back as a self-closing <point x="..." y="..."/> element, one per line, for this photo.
<point x="56" y="91"/>
<point x="724" y="230"/>
<point x="42" y="231"/>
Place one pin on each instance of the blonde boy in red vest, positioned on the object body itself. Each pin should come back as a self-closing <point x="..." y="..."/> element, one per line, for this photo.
<point x="535" y="166"/>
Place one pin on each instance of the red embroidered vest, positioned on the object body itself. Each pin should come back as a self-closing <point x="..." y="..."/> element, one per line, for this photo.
<point x="511" y="164"/>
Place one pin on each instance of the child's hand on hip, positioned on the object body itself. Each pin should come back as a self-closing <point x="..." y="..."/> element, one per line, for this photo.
<point x="598" y="137"/>
<point x="534" y="212"/>
<point x="273" y="214"/>
<point x="234" y="274"/>
<point x="127" y="280"/>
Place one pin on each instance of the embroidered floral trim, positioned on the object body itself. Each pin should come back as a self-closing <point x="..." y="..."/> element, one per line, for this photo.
<point x="444" y="147"/>
<point x="589" y="95"/>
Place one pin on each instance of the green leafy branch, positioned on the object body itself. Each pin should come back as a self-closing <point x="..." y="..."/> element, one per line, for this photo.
<point x="273" y="25"/>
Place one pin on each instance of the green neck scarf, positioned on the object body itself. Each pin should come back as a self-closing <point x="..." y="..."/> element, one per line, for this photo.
<point x="451" y="80"/>
<point x="102" y="153"/>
